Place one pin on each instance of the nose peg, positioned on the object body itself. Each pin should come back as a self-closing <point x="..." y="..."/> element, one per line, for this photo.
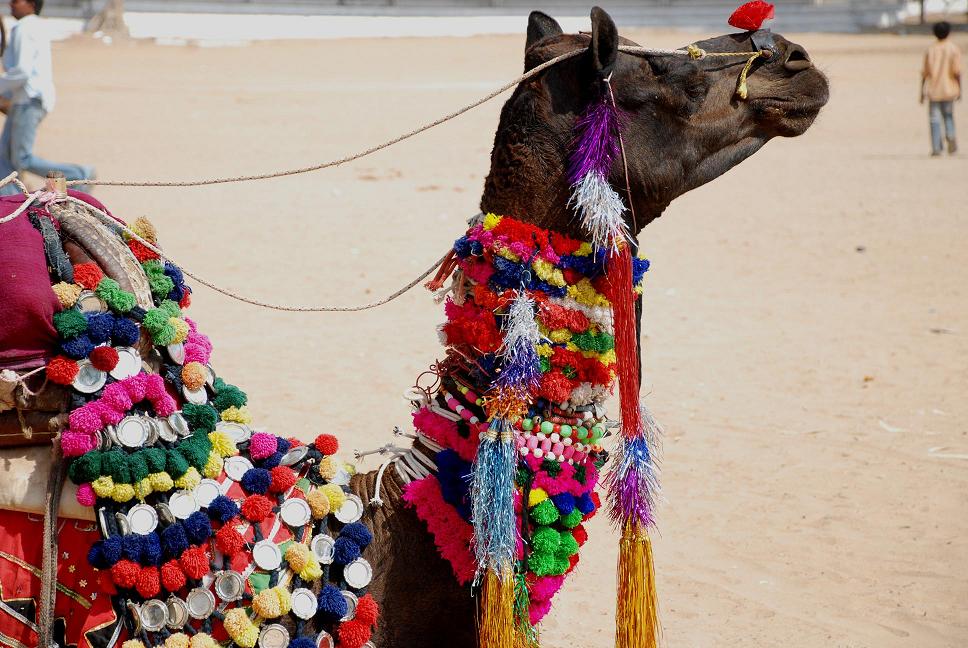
<point x="796" y="58"/>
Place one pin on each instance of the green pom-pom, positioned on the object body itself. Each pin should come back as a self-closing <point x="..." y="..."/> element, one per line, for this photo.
<point x="138" y="466"/>
<point x="118" y="300"/>
<point x="228" y="396"/>
<point x="114" y="463"/>
<point x="542" y="564"/>
<point x="70" y="323"/>
<point x="200" y="417"/>
<point x="201" y="438"/>
<point x="160" y="283"/>
<point x="154" y="459"/>
<point x="545" y="540"/>
<point x="580" y="473"/>
<point x="155" y="320"/>
<point x="545" y="513"/>
<point x="176" y="465"/>
<point x="568" y="546"/>
<point x="545" y="364"/>
<point x="170" y="307"/>
<point x="523" y="476"/>
<point x="194" y="452"/>
<point x="165" y="336"/>
<point x="551" y="467"/>
<point x="561" y="565"/>
<point x="573" y="519"/>
<point x="85" y="468"/>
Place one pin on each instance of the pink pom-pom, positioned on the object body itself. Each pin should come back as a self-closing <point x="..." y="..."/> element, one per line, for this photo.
<point x="165" y="406"/>
<point x="195" y="353"/>
<point x="74" y="444"/>
<point x="116" y="397"/>
<point x="136" y="386"/>
<point x="262" y="445"/>
<point x="86" y="419"/>
<point x="538" y="610"/>
<point x="85" y="495"/>
<point x="109" y="415"/>
<point x="154" y="387"/>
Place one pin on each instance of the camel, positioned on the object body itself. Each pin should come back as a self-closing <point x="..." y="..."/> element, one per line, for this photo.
<point x="684" y="126"/>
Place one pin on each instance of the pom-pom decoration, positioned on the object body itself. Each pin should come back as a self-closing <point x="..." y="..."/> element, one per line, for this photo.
<point x="751" y="16"/>
<point x="104" y="358"/>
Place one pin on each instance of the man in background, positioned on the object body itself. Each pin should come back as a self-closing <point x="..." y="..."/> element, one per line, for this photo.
<point x="28" y="82"/>
<point x="941" y="85"/>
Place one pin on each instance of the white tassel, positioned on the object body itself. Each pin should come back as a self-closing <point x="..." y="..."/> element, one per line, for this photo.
<point x="601" y="210"/>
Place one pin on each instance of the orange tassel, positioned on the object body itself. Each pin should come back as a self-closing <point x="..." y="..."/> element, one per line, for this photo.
<point x="636" y="612"/>
<point x="450" y="262"/>
<point x="496" y="626"/>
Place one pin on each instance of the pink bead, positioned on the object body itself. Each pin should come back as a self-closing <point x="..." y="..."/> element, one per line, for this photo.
<point x="532" y="442"/>
<point x="518" y="441"/>
<point x="569" y="452"/>
<point x="546" y="445"/>
<point x="466" y="414"/>
<point x="558" y="448"/>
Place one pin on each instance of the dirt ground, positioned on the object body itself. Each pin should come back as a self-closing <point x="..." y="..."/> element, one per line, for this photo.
<point x="806" y="328"/>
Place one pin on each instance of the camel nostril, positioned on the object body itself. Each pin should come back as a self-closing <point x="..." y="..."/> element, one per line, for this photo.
<point x="796" y="59"/>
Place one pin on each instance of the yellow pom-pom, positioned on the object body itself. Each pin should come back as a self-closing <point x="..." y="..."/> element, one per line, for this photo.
<point x="266" y="604"/>
<point x="178" y="640"/>
<point x="161" y="482"/>
<point x="133" y="643"/>
<point x="328" y="468"/>
<point x="285" y="599"/>
<point x="122" y="493"/>
<point x="237" y="415"/>
<point x="491" y="221"/>
<point x="560" y="335"/>
<point x="536" y="496"/>
<point x="213" y="467"/>
<point x="143" y="489"/>
<point x="193" y="375"/>
<point x="297" y="555"/>
<point x="335" y="495"/>
<point x="190" y="480"/>
<point x="203" y="640"/>
<point x="318" y="503"/>
<point x="145" y="229"/>
<point x="223" y="444"/>
<point x="181" y="329"/>
<point x="103" y="486"/>
<point x="312" y="571"/>
<point x="240" y="628"/>
<point x="67" y="294"/>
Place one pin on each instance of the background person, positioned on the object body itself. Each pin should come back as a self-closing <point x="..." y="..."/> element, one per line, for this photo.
<point x="28" y="81"/>
<point x="941" y="84"/>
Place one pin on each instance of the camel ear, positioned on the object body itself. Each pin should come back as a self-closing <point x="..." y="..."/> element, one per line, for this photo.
<point x="604" y="41"/>
<point x="541" y="25"/>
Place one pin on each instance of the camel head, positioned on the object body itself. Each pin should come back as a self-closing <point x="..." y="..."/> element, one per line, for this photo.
<point x="684" y="123"/>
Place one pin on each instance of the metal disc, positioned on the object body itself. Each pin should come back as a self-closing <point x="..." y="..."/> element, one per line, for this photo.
<point x="177" y="613"/>
<point x="133" y="431"/>
<point x="351" y="602"/>
<point x="351" y="510"/>
<point x="236" y="431"/>
<point x="209" y="375"/>
<point x="206" y="491"/>
<point x="197" y="397"/>
<point x="102" y="440"/>
<point x="303" y="603"/>
<point x="129" y="363"/>
<point x="179" y="424"/>
<point x="273" y="636"/>
<point x="153" y="615"/>
<point x="182" y="504"/>
<point x="322" y="545"/>
<point x="229" y="585"/>
<point x="201" y="603"/>
<point x="325" y="640"/>
<point x="123" y="525"/>
<point x="164" y="430"/>
<point x="267" y="555"/>
<point x="294" y="456"/>
<point x="176" y="352"/>
<point x="89" y="302"/>
<point x="295" y="512"/>
<point x="341" y="478"/>
<point x="89" y="378"/>
<point x="142" y="519"/>
<point x="358" y="573"/>
<point x="165" y="513"/>
<point x="236" y="467"/>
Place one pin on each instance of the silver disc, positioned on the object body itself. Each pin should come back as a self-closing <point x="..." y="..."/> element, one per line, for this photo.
<point x="267" y="555"/>
<point x="201" y="603"/>
<point x="351" y="510"/>
<point x="179" y="424"/>
<point x="322" y="545"/>
<point x="129" y="363"/>
<point x="133" y="431"/>
<point x="142" y="519"/>
<point x="89" y="302"/>
<point x="235" y="431"/>
<point x="182" y="504"/>
<point x="229" y="585"/>
<point x="236" y="467"/>
<point x="197" y="397"/>
<point x="89" y="378"/>
<point x="177" y="613"/>
<point x="295" y="512"/>
<point x="176" y="352"/>
<point x="153" y="615"/>
<point x="294" y="456"/>
<point x="358" y="573"/>
<point x="273" y="636"/>
<point x="351" y="602"/>
<point x="325" y="640"/>
<point x="164" y="430"/>
<point x="123" y="525"/>
<point x="303" y="603"/>
<point x="206" y="491"/>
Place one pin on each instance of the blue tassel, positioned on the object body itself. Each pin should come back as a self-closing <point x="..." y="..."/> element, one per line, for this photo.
<point x="492" y="499"/>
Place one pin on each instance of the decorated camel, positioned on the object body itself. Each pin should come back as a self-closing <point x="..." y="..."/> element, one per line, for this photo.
<point x="185" y="526"/>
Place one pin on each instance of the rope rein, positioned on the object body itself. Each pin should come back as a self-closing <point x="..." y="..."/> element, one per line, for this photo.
<point x="692" y="51"/>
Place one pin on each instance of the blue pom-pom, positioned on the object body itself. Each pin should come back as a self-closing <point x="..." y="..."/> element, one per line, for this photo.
<point x="112" y="550"/>
<point x="174" y="272"/>
<point x="345" y="551"/>
<point x="99" y="327"/>
<point x="197" y="527"/>
<point x="330" y="604"/>
<point x="282" y="445"/>
<point x="358" y="533"/>
<point x="174" y="540"/>
<point x="302" y="642"/>
<point x="462" y="247"/>
<point x="272" y="460"/>
<point x="565" y="502"/>
<point x="223" y="509"/>
<point x="125" y="332"/>
<point x="256" y="480"/>
<point x="131" y="546"/>
<point x="150" y="549"/>
<point x="78" y="348"/>
<point x="95" y="556"/>
<point x="585" y="504"/>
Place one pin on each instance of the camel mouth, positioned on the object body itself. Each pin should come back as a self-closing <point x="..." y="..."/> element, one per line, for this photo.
<point x="794" y="113"/>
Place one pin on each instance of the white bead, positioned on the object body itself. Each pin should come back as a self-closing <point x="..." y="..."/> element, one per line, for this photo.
<point x="538" y="452"/>
<point x="567" y="441"/>
<point x="523" y="450"/>
<point x="555" y="437"/>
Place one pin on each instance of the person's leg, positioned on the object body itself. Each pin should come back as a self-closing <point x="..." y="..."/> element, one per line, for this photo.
<point x="6" y="167"/>
<point x="22" y="137"/>
<point x="948" y="112"/>
<point x="934" y="117"/>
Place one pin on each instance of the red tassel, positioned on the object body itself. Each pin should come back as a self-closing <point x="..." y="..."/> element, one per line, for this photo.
<point x="450" y="262"/>
<point x="751" y="15"/>
<point x="622" y="296"/>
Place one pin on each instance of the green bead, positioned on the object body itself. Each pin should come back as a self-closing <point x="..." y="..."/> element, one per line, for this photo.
<point x="527" y="425"/>
<point x="582" y="433"/>
<point x="565" y="431"/>
<point x="597" y="433"/>
<point x="547" y="427"/>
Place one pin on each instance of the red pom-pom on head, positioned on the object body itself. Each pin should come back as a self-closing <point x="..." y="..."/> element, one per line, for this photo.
<point x="172" y="576"/>
<point x="751" y="15"/>
<point x="195" y="562"/>
<point x="124" y="573"/>
<point x="367" y="611"/>
<point x="580" y="534"/>
<point x="294" y="442"/>
<point x="104" y="358"/>
<point x="283" y="478"/>
<point x="228" y="540"/>
<point x="256" y="508"/>
<point x="141" y="253"/>
<point x="88" y="275"/>
<point x="62" y="370"/>
<point x="186" y="301"/>
<point x="353" y="634"/>
<point x="149" y="582"/>
<point x="327" y="444"/>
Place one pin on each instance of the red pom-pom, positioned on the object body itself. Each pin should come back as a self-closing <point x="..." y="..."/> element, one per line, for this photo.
<point x="751" y="15"/>
<point x="572" y="561"/>
<point x="294" y="442"/>
<point x="141" y="253"/>
<point x="283" y="478"/>
<point x="581" y="536"/>
<point x="353" y="634"/>
<point x="124" y="573"/>
<point x="256" y="508"/>
<point x="228" y="540"/>
<point x="88" y="275"/>
<point x="172" y="576"/>
<point x="149" y="582"/>
<point x="62" y="370"/>
<point x="327" y="444"/>
<point x="367" y="611"/>
<point x="195" y="562"/>
<point x="104" y="358"/>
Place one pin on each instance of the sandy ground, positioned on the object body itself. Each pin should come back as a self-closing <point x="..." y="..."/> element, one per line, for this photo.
<point x="807" y="315"/>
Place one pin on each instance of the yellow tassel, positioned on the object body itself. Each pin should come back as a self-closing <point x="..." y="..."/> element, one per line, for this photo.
<point x="637" y="610"/>
<point x="741" y="90"/>
<point x="496" y="626"/>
